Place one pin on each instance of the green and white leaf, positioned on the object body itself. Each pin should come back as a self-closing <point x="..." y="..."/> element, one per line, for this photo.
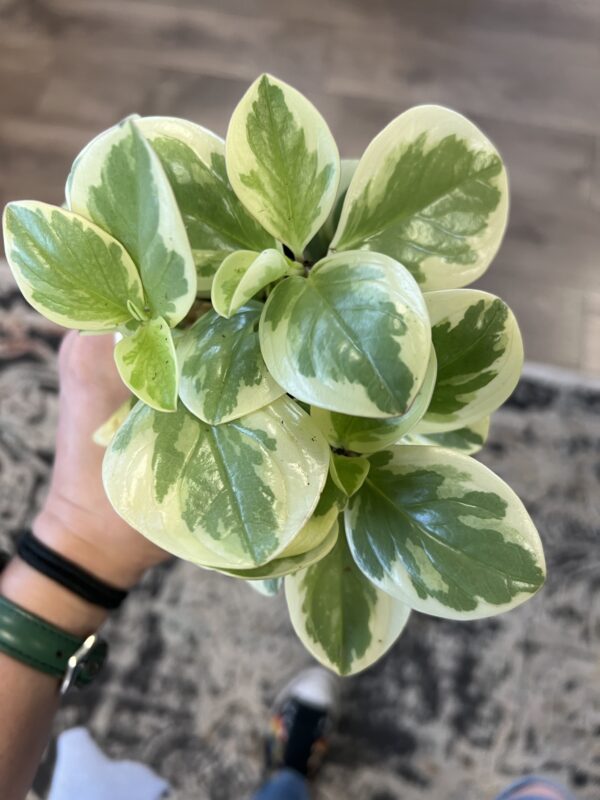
<point x="242" y="275"/>
<point x="268" y="588"/>
<point x="479" y="353"/>
<point x="221" y="496"/>
<point x="216" y="222"/>
<point x="349" y="472"/>
<point x="118" y="182"/>
<point x="287" y="565"/>
<point x="282" y="161"/>
<point x="69" y="269"/>
<point x="432" y="192"/>
<point x="147" y="364"/>
<point x="362" y="435"/>
<point x="318" y="247"/>
<point x="103" y="435"/>
<point x="444" y="534"/>
<point x="353" y="337"/>
<point x="223" y="374"/>
<point x="468" y="440"/>
<point x="345" y="621"/>
<point x="331" y="503"/>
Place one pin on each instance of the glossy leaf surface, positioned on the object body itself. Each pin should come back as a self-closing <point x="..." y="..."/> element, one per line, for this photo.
<point x="286" y="564"/>
<point x="479" y="352"/>
<point x="440" y="531"/>
<point x="242" y="275"/>
<point x="352" y="337"/>
<point x="467" y="440"/>
<point x="331" y="502"/>
<point x="220" y="496"/>
<point x="362" y="435"/>
<point x="223" y="374"/>
<point x="432" y="192"/>
<point x="216" y="222"/>
<point x="147" y="364"/>
<point x="118" y="182"/>
<point x="282" y="161"/>
<point x="345" y="621"/>
<point x="68" y="269"/>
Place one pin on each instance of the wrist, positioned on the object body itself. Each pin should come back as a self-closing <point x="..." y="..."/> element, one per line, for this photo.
<point x="43" y="597"/>
<point x="61" y="530"/>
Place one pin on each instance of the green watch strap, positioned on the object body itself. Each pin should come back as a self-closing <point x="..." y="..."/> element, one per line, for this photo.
<point x="35" y="642"/>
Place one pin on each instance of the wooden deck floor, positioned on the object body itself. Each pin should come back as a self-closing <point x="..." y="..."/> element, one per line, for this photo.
<point x="527" y="72"/>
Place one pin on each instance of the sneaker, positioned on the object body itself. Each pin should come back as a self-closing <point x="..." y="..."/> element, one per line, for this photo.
<point x="303" y="716"/>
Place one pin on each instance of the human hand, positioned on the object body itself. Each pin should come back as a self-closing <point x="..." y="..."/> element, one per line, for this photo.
<point x="77" y="519"/>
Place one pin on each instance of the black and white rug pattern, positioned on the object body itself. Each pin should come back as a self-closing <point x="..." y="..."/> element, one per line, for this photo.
<point x="453" y="712"/>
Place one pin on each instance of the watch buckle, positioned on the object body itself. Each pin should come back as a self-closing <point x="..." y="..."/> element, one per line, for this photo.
<point x="77" y="662"/>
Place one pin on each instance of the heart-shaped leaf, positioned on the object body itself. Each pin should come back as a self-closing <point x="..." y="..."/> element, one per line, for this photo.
<point x="70" y="270"/>
<point x="282" y="161"/>
<point x="223" y="374"/>
<point x="353" y="337"/>
<point x="467" y="440"/>
<point x="147" y="364"/>
<point x="430" y="191"/>
<point x="345" y="621"/>
<point x="362" y="435"/>
<point x="479" y="353"/>
<point x="118" y="182"/>
<point x="444" y="534"/>
<point x="221" y="496"/>
<point x="216" y="222"/>
<point x="242" y="275"/>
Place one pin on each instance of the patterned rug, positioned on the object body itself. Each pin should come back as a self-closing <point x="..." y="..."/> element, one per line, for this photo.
<point x="453" y="712"/>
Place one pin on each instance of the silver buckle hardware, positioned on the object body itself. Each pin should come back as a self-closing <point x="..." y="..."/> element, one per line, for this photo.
<point x="76" y="663"/>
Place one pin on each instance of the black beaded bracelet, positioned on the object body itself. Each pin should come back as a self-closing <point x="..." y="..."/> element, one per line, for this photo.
<point x="67" y="574"/>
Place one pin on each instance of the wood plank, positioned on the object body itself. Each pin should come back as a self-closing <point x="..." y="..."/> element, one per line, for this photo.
<point x="24" y="72"/>
<point x="552" y="245"/>
<point x="577" y="20"/>
<point x="123" y="89"/>
<point x="190" y="39"/>
<point x="547" y="81"/>
<point x="35" y="160"/>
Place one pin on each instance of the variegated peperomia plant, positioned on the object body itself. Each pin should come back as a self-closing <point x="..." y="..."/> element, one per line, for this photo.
<point x="309" y="377"/>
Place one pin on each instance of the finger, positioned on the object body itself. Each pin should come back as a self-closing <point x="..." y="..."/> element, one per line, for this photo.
<point x="87" y="370"/>
<point x="65" y="348"/>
